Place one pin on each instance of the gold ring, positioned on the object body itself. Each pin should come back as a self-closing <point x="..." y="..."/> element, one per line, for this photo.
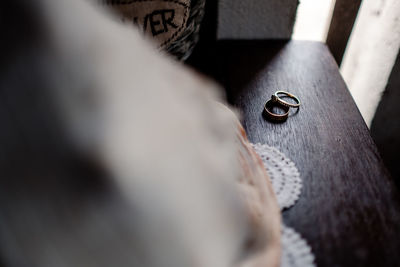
<point x="274" y="116"/>
<point x="275" y="97"/>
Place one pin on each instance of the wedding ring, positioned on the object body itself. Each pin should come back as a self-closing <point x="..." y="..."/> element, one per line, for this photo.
<point x="274" y="116"/>
<point x="275" y="97"/>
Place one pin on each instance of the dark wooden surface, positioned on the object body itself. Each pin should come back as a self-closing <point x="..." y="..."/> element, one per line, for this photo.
<point x="349" y="208"/>
<point x="343" y="18"/>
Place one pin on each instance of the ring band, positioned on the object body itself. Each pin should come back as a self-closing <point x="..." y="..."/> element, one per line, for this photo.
<point x="274" y="116"/>
<point x="275" y="97"/>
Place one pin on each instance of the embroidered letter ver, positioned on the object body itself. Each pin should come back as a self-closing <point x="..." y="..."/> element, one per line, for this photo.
<point x="159" y="21"/>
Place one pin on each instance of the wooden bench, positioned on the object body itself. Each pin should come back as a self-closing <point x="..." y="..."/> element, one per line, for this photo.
<point x="349" y="209"/>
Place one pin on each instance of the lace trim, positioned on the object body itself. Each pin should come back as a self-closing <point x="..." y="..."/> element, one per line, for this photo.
<point x="285" y="177"/>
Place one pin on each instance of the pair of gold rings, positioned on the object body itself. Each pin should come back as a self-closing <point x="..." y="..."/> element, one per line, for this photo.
<point x="277" y="101"/>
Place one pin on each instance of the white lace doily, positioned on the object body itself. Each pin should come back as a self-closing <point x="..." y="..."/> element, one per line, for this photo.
<point x="286" y="183"/>
<point x="295" y="250"/>
<point x="285" y="177"/>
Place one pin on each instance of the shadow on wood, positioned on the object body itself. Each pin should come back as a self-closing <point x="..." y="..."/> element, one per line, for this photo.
<point x="349" y="210"/>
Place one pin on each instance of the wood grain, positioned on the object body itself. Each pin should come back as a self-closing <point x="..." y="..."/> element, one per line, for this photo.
<point x="343" y="18"/>
<point x="349" y="208"/>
